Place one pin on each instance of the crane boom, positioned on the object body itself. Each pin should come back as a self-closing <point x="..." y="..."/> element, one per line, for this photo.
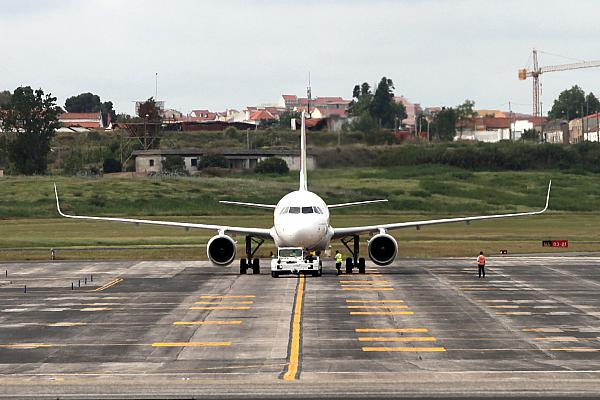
<point x="537" y="71"/>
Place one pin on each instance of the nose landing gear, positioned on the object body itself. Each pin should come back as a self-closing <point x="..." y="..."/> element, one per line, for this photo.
<point x="355" y="260"/>
<point x="250" y="261"/>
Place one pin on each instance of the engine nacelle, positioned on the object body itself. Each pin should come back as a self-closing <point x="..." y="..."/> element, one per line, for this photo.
<point x="383" y="249"/>
<point x="221" y="250"/>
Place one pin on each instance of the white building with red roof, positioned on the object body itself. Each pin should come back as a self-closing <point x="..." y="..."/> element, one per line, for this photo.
<point x="75" y="122"/>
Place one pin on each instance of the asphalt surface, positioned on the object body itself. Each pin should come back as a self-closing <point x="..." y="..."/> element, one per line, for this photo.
<point x="418" y="328"/>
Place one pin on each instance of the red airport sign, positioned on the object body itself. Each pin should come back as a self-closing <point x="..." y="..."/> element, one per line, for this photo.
<point x="555" y="243"/>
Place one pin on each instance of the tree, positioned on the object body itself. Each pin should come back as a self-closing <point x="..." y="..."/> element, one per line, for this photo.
<point x="33" y="118"/>
<point x="111" y="165"/>
<point x="5" y="96"/>
<point x="149" y="111"/>
<point x="91" y="103"/>
<point x="569" y="105"/>
<point x="443" y="125"/>
<point x="465" y="115"/>
<point x="174" y="165"/>
<point x="384" y="108"/>
<point x="285" y="118"/>
<point x="592" y="104"/>
<point x="530" y="135"/>
<point x="272" y="165"/>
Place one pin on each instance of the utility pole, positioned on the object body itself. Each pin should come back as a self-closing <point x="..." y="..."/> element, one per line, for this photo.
<point x="156" y="86"/>
<point x="510" y="129"/>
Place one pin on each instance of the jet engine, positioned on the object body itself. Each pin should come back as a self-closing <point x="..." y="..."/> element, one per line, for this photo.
<point x="383" y="249"/>
<point x="221" y="250"/>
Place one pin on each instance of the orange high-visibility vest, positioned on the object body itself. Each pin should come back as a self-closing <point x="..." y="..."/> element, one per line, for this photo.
<point x="481" y="260"/>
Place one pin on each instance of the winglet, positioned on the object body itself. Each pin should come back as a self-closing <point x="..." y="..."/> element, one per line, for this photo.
<point x="548" y="195"/>
<point x="57" y="202"/>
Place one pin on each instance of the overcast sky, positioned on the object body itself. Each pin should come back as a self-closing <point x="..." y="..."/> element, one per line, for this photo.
<point x="229" y="54"/>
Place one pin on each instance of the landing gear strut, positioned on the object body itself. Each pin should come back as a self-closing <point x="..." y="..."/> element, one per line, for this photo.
<point x="250" y="261"/>
<point x="354" y="261"/>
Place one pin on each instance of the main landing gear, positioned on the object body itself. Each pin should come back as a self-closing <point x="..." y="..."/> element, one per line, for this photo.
<point x="354" y="261"/>
<point x="250" y="261"/>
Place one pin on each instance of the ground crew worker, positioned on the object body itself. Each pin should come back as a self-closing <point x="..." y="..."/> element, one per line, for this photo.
<point x="481" y="264"/>
<point x="338" y="261"/>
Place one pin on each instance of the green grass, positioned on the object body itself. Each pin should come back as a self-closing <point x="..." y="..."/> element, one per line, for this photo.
<point x="28" y="218"/>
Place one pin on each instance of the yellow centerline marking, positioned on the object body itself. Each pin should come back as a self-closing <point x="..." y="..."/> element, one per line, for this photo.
<point x="24" y="346"/>
<point x="190" y="344"/>
<point x="412" y="349"/>
<point x="397" y="339"/>
<point x="378" y="307"/>
<point x="374" y="301"/>
<point x="207" y="323"/>
<point x="367" y="289"/>
<point x="292" y="371"/>
<point x="390" y="330"/>
<point x="558" y="339"/>
<point x="381" y="313"/>
<point x="221" y="308"/>
<point x="227" y="297"/>
<point x="514" y="313"/>
<point x="357" y="281"/>
<point x="224" y="302"/>
<point x="96" y="309"/>
<point x="511" y="306"/>
<point x="582" y="349"/>
<point x="108" y="285"/>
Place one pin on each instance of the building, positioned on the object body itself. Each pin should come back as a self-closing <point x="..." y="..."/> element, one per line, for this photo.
<point x="494" y="128"/>
<point x="556" y="131"/>
<point x="576" y="130"/>
<point x="150" y="161"/>
<point x="590" y="128"/>
<point x="203" y="115"/>
<point x="84" y="121"/>
<point x="412" y="111"/>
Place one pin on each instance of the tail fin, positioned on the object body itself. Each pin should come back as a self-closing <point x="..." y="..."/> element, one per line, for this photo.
<point x="303" y="166"/>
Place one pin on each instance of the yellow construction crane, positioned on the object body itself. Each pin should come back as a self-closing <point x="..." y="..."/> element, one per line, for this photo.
<point x="537" y="71"/>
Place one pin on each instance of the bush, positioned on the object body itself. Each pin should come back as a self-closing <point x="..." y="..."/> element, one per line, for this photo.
<point x="272" y="165"/>
<point x="111" y="165"/>
<point x="212" y="161"/>
<point x="174" y="165"/>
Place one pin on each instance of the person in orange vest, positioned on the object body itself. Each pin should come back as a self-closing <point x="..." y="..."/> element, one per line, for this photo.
<point x="481" y="264"/>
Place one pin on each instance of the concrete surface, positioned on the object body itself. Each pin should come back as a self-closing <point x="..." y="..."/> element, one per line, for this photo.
<point x="418" y="328"/>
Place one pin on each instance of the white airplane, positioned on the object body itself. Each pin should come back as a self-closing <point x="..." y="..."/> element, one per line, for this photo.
<point x="301" y="219"/>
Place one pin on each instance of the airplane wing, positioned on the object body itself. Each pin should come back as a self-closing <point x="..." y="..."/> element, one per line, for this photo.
<point x="256" y="232"/>
<point x="356" y="203"/>
<point x="251" y="205"/>
<point x="343" y="232"/>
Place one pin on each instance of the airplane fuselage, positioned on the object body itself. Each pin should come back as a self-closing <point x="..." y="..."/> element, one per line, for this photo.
<point x="301" y="219"/>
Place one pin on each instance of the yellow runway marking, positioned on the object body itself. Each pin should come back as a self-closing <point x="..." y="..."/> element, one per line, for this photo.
<point x="227" y="297"/>
<point x="108" y="285"/>
<point x="381" y="313"/>
<point x="292" y="371"/>
<point x="378" y="307"/>
<point x="396" y="339"/>
<point x="190" y="344"/>
<point x="558" y="339"/>
<point x="367" y="289"/>
<point x="374" y="301"/>
<point x="96" y="309"/>
<point x="221" y="308"/>
<point x="581" y="349"/>
<point x="412" y="349"/>
<point x="545" y="330"/>
<point x="391" y="330"/>
<point x="207" y="323"/>
<point x="514" y="313"/>
<point x="504" y="306"/>
<point x="66" y="324"/>
<point x="24" y="346"/>
<point x="357" y="282"/>
<point x="224" y="302"/>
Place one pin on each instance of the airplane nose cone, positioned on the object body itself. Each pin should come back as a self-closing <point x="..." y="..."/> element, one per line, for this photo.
<point x="305" y="236"/>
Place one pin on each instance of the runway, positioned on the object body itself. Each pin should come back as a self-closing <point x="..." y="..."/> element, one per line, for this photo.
<point x="417" y="328"/>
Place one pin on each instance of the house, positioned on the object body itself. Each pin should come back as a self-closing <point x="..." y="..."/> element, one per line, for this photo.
<point x="590" y="127"/>
<point x="172" y="115"/>
<point x="262" y="117"/>
<point x="576" y="130"/>
<point x="556" y="131"/>
<point x="412" y="110"/>
<point x="203" y="115"/>
<point x="150" y="161"/>
<point x="80" y="122"/>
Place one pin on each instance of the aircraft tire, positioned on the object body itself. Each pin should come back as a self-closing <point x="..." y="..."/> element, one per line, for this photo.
<point x="243" y="266"/>
<point x="274" y="274"/>
<point x="349" y="265"/>
<point x="256" y="266"/>
<point x="361" y="266"/>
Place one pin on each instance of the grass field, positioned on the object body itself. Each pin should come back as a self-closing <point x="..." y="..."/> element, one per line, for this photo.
<point x="28" y="217"/>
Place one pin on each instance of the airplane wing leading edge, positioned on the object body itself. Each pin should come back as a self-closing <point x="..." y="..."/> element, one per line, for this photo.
<point x="342" y="232"/>
<point x="222" y="229"/>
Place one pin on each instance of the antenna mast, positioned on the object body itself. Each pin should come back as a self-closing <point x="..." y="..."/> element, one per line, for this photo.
<point x="309" y="95"/>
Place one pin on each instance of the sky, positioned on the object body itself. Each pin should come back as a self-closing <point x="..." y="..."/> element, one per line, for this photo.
<point x="234" y="53"/>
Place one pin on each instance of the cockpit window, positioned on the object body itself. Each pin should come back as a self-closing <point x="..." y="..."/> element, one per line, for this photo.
<point x="294" y="210"/>
<point x="318" y="210"/>
<point x="307" y="210"/>
<point x="284" y="210"/>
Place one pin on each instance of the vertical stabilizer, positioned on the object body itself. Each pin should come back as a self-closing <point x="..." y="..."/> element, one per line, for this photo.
<point x="303" y="166"/>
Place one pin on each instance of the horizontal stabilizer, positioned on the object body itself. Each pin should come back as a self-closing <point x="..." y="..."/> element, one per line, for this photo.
<point x="356" y="203"/>
<point x="251" y="205"/>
